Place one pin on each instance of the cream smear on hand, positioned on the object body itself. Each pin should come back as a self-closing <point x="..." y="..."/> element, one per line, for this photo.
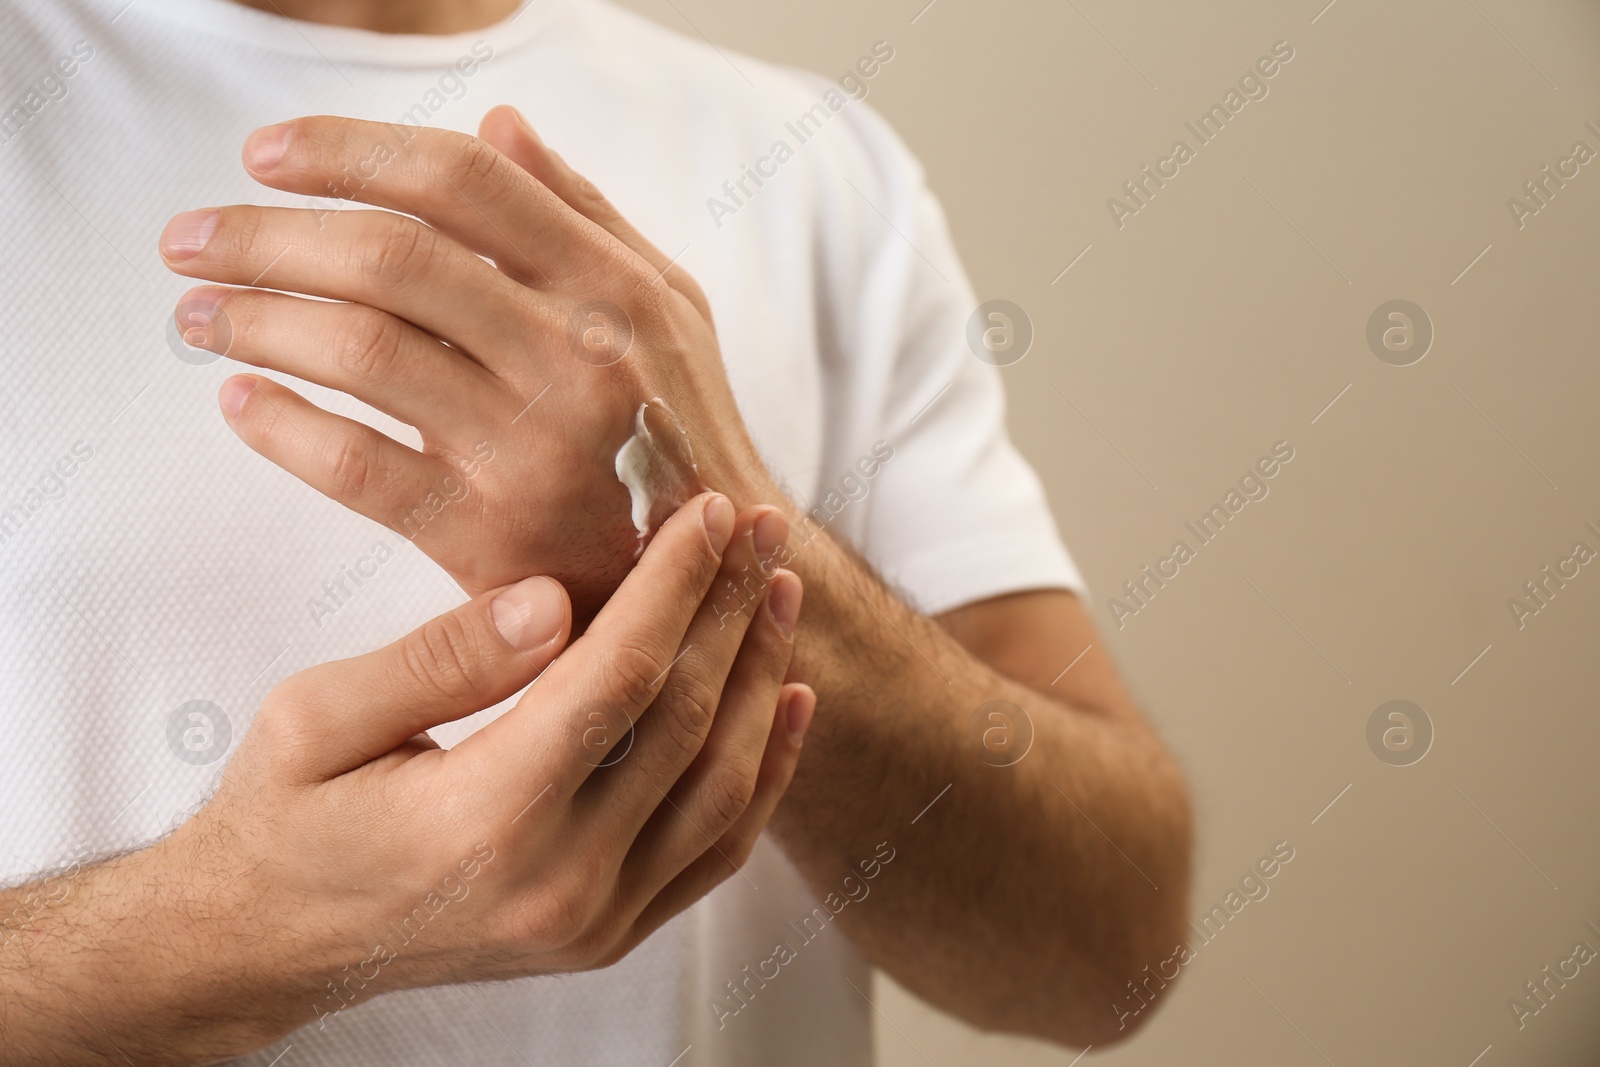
<point x="657" y="466"/>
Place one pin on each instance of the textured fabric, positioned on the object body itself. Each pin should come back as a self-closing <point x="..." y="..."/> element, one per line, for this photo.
<point x="148" y="559"/>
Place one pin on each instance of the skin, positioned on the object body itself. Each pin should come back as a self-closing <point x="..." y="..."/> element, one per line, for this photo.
<point x="1026" y="896"/>
<point x="393" y="16"/>
<point x="346" y="855"/>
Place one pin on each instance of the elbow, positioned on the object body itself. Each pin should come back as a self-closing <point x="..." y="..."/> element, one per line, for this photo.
<point x="1142" y="968"/>
<point x="1123" y="993"/>
<point x="1144" y="944"/>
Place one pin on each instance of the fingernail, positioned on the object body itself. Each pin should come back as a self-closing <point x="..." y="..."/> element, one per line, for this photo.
<point x="783" y="602"/>
<point x="771" y="531"/>
<point x="718" y="518"/>
<point x="265" y="147"/>
<point x="529" y="615"/>
<point x="187" y="233"/>
<point x="798" y="718"/>
<point x="234" y="392"/>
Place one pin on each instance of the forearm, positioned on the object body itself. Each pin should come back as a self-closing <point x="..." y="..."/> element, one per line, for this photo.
<point x="121" y="962"/>
<point x="1026" y="896"/>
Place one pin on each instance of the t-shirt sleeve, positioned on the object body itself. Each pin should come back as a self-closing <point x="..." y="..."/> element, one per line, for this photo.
<point x="956" y="514"/>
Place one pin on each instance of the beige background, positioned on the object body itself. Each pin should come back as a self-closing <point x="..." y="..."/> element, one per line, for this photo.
<point x="1225" y="317"/>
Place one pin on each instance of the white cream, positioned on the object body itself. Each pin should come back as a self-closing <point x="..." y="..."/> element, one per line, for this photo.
<point x="657" y="466"/>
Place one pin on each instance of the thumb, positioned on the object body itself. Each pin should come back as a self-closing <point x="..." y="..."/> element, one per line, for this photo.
<point x="505" y="128"/>
<point x="347" y="713"/>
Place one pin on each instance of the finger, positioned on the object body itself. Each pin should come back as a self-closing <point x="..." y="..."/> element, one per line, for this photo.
<point x="686" y="884"/>
<point x="338" y="716"/>
<point x="378" y="258"/>
<point x="456" y="183"/>
<point x="615" y="669"/>
<point x="370" y="354"/>
<point x="687" y="817"/>
<point x="506" y="129"/>
<point x="345" y="460"/>
<point x="672" y="732"/>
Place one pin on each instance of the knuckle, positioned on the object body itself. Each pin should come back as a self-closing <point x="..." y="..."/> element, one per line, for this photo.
<point x="350" y="466"/>
<point x="368" y="345"/>
<point x="650" y="296"/>
<point x="738" y="848"/>
<point x="242" y="228"/>
<point x="634" y="673"/>
<point x="690" y="704"/>
<point x="298" y="696"/>
<point x="563" y="920"/>
<point x="440" y="658"/>
<point x="692" y="292"/>
<point x="289" y="728"/>
<point x="591" y="201"/>
<point x="292" y="704"/>
<point x="661" y="309"/>
<point x="729" y="791"/>
<point x="401" y="250"/>
<point x="472" y="164"/>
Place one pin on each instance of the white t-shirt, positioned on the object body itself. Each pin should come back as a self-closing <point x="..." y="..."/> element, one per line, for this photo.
<point x="148" y="559"/>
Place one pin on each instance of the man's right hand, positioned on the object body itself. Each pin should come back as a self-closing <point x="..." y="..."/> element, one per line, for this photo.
<point x="346" y="855"/>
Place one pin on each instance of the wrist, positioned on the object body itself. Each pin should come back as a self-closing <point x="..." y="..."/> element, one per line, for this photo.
<point x="737" y="472"/>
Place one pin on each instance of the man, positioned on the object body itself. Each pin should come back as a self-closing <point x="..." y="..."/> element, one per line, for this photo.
<point x="1003" y="835"/>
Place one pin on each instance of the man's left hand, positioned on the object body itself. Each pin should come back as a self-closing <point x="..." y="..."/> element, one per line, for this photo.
<point x="523" y="374"/>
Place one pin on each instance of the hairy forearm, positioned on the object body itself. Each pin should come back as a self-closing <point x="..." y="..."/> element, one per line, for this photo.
<point x="1027" y="895"/>
<point x="129" y="961"/>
